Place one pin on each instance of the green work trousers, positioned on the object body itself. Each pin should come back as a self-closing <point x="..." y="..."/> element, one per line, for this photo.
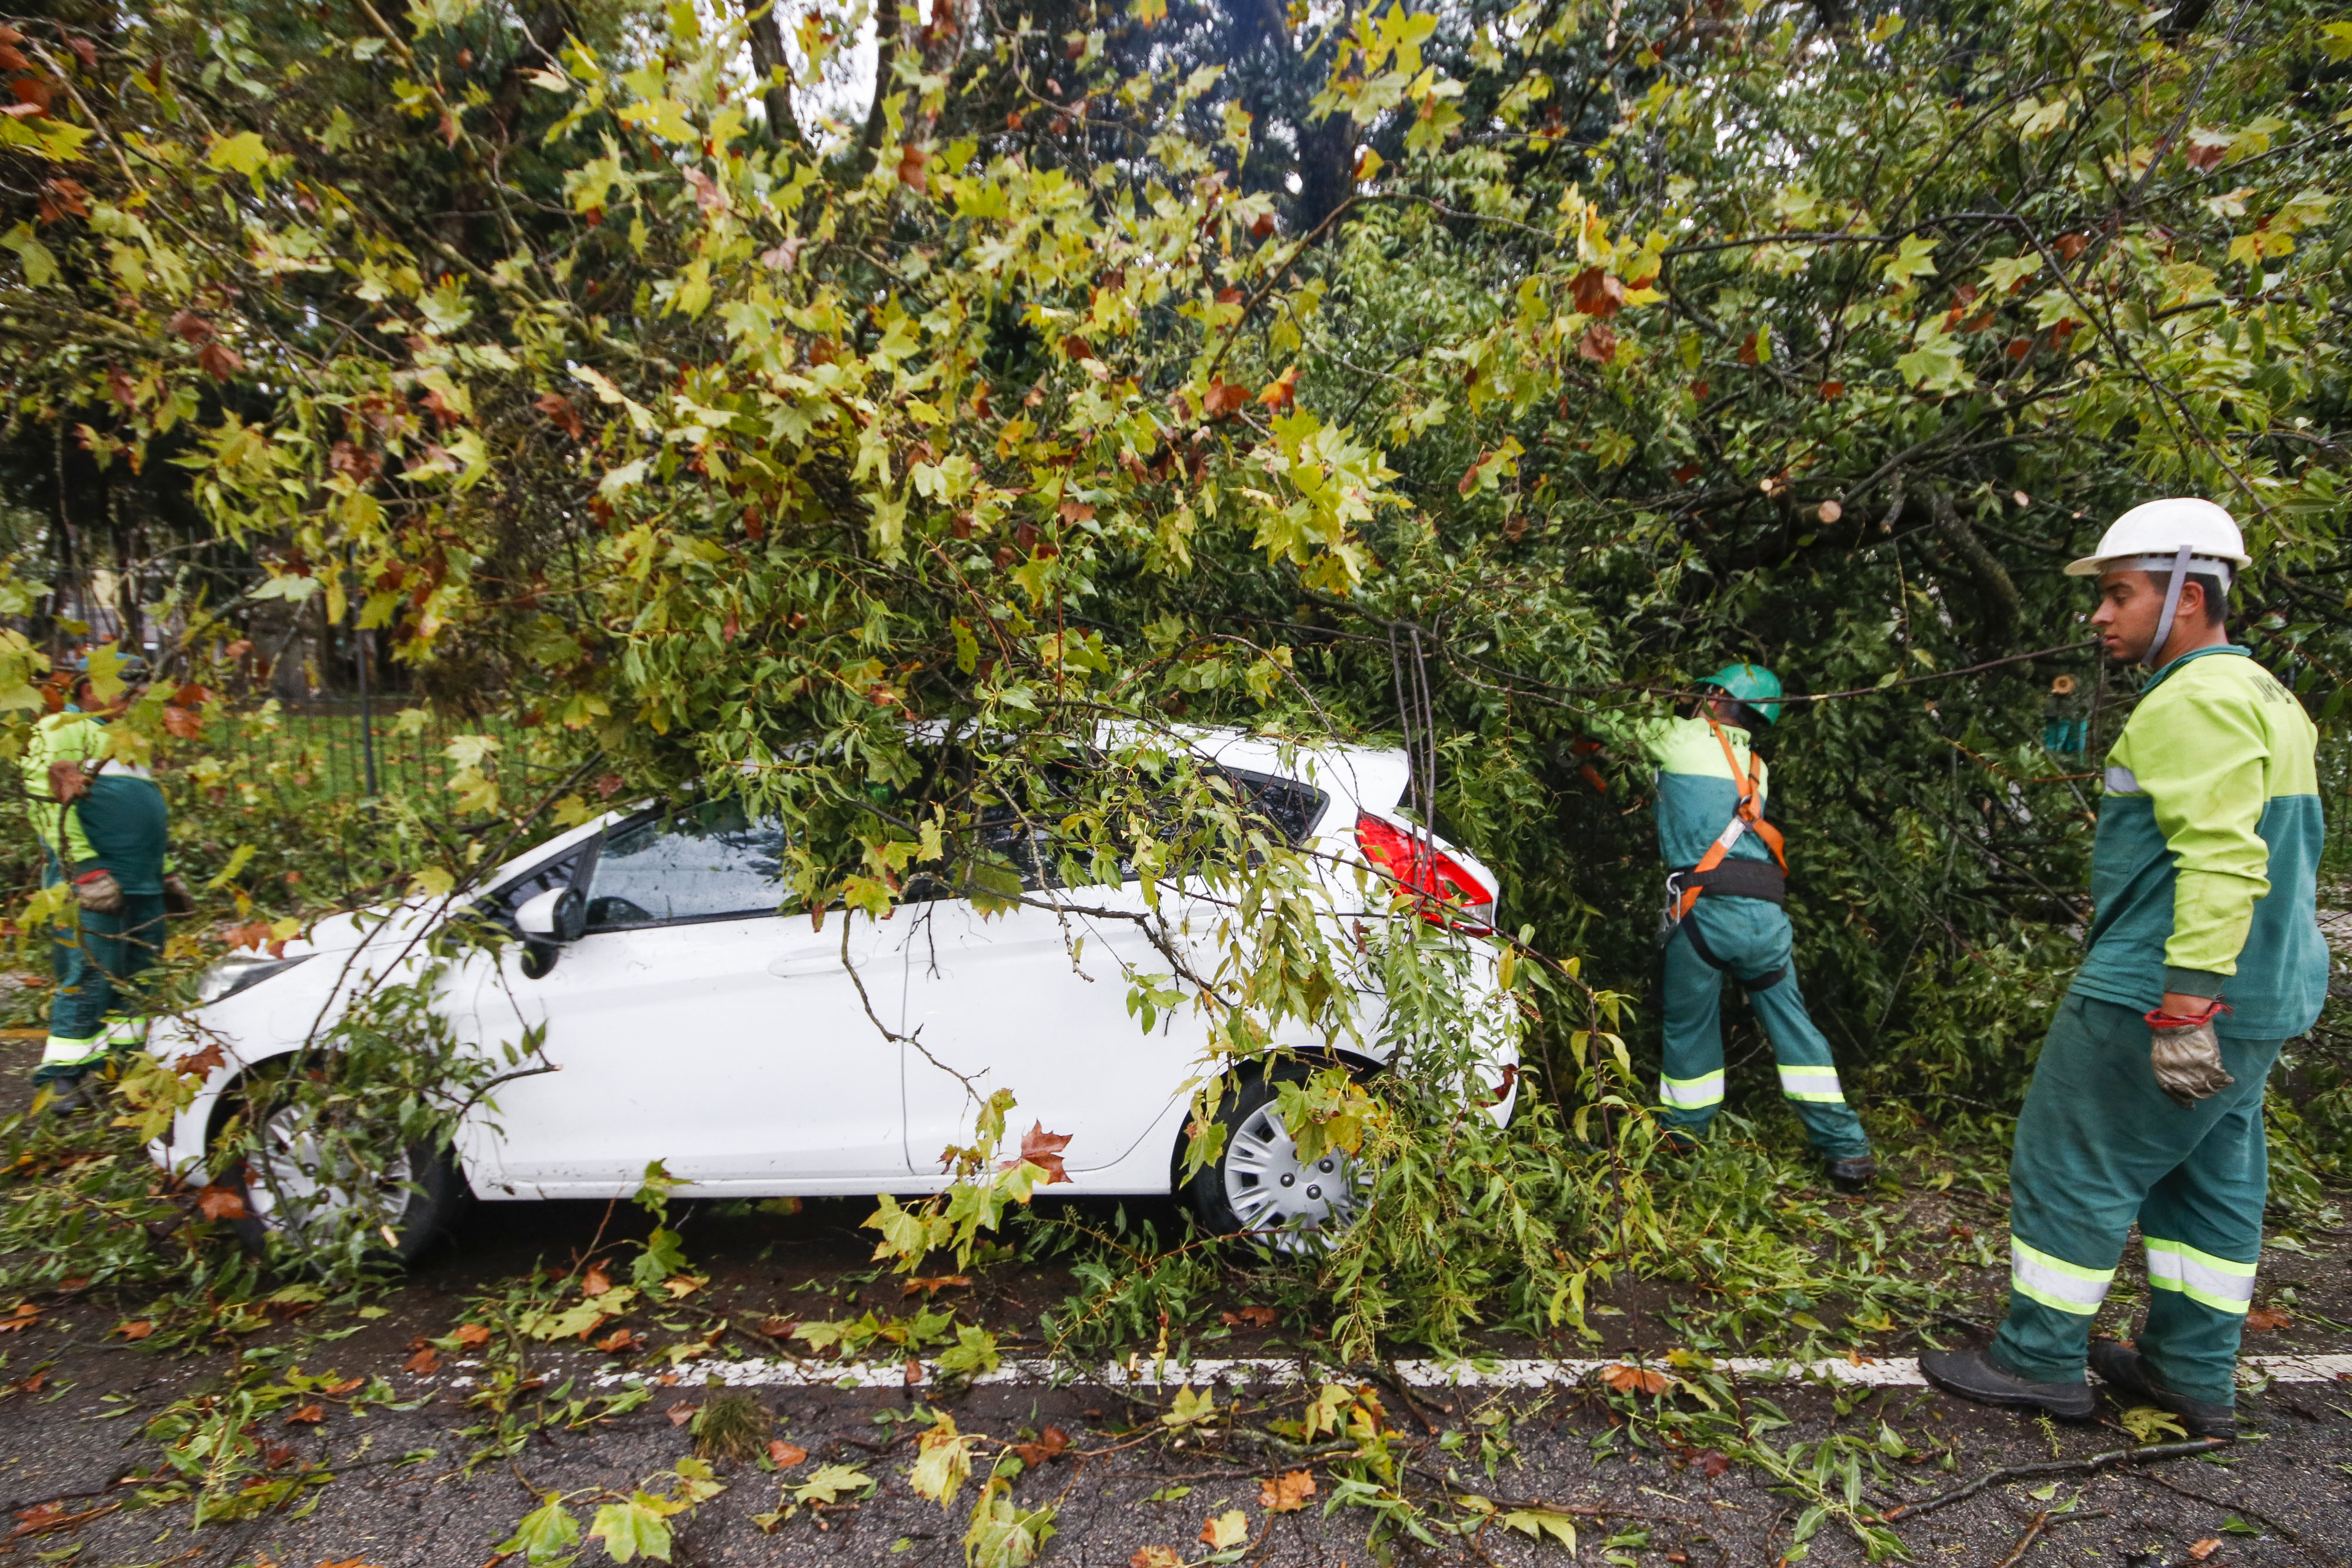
<point x="2098" y="1147"/>
<point x="98" y="1008"/>
<point x="1751" y="941"/>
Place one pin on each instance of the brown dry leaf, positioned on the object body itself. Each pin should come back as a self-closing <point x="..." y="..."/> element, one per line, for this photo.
<point x="218" y="1202"/>
<point x="472" y="1334"/>
<point x="681" y="1413"/>
<point x="219" y="360"/>
<point x="1281" y="392"/>
<point x="1286" y="1493"/>
<point x="777" y="1328"/>
<point x="1156" y="1557"/>
<point x="1596" y="293"/>
<point x="1634" y="1379"/>
<point x="1599" y="343"/>
<point x="1225" y="398"/>
<point x="928" y="1284"/>
<point x="1043" y="1150"/>
<point x="1048" y="1445"/>
<point x="2204" y="1549"/>
<point x="785" y="1455"/>
<point x="618" y="1341"/>
<point x="346" y="1386"/>
<point x="1711" y="1463"/>
<point x="1254" y="1317"/>
<point x="910" y="168"/>
<point x="681" y="1286"/>
<point x="558" y="407"/>
<point x="309" y="1415"/>
<point x="24" y="1317"/>
<point x="2263" y="1318"/>
<point x="346" y="1562"/>
<point x="425" y="1361"/>
<point x="1076" y="512"/>
<point x="140" y="1329"/>
<point x="595" y="1281"/>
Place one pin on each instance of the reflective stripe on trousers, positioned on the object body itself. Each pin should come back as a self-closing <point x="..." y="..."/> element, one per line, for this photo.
<point x="127" y="1032"/>
<point x="2056" y="1284"/>
<point x="62" y="1051"/>
<point x="1818" y="1085"/>
<point x="2221" y="1284"/>
<point x="1691" y="1094"/>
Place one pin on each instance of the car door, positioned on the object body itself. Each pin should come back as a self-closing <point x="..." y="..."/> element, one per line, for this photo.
<point x="694" y="1024"/>
<point x="1033" y="999"/>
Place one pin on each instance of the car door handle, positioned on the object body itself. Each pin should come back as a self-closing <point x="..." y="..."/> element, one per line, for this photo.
<point x="800" y="966"/>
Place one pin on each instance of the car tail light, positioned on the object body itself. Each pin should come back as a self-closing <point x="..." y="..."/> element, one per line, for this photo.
<point x="1421" y="866"/>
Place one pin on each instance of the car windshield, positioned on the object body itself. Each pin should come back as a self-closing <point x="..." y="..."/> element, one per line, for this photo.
<point x="705" y="862"/>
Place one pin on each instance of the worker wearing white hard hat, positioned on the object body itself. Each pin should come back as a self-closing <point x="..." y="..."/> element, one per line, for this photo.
<point x="2204" y="956"/>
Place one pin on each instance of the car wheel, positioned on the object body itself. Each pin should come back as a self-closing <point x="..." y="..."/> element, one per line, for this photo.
<point x="1258" y="1186"/>
<point x="294" y="1190"/>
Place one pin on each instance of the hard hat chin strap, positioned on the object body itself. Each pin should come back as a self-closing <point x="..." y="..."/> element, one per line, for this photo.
<point x="2171" y="605"/>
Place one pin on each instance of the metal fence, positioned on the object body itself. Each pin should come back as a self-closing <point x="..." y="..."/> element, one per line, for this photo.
<point x="337" y="748"/>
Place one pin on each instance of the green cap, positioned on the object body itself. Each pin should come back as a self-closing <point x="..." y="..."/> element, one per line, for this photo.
<point x="1753" y="685"/>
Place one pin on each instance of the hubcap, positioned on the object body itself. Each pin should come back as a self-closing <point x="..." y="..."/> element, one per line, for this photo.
<point x="300" y="1185"/>
<point x="1289" y="1203"/>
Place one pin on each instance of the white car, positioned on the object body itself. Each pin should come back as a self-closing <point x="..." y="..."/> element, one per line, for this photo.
<point x="687" y="1021"/>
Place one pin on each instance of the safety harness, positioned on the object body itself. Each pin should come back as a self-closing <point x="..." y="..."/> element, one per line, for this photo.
<point x="1737" y="878"/>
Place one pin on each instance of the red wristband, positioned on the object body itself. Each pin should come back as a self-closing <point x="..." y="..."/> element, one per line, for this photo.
<point x="2159" y="1019"/>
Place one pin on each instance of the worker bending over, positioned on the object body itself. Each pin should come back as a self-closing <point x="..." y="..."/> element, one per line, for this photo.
<point x="103" y="824"/>
<point x="1726" y="914"/>
<point x="2204" y="956"/>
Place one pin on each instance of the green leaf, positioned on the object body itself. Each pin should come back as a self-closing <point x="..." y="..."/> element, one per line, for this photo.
<point x="545" y="1532"/>
<point x="40" y="264"/>
<point x="240" y="154"/>
<point x="635" y="1529"/>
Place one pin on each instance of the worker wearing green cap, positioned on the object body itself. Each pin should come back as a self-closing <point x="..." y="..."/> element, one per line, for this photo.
<point x="1726" y="914"/>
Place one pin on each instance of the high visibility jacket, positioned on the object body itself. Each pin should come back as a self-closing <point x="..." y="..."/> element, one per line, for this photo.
<point x="119" y="822"/>
<point x="2204" y="874"/>
<point x="1697" y="794"/>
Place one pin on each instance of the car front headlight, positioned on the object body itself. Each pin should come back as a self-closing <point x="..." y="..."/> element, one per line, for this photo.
<point x="238" y="971"/>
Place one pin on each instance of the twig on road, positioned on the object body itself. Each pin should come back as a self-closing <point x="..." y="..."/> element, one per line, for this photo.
<point x="2148" y="1453"/>
<point x="2025" y="1541"/>
<point x="2265" y="1520"/>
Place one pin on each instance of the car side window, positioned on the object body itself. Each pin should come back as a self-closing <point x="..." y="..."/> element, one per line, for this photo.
<point x="706" y="862"/>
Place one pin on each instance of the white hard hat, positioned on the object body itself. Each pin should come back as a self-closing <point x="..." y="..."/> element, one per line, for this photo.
<point x="2150" y="536"/>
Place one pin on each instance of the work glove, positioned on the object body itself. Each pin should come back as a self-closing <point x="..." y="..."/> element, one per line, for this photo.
<point x="178" y="899"/>
<point x="2187" y="1055"/>
<point x="96" y="891"/>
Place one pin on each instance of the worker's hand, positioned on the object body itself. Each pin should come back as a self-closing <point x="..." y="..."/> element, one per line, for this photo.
<point x="96" y="891"/>
<point x="2185" y="1053"/>
<point x="67" y="782"/>
<point x="178" y="899"/>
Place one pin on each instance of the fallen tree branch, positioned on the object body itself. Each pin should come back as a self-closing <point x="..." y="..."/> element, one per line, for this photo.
<point x="2007" y="1473"/>
<point x="2265" y="1520"/>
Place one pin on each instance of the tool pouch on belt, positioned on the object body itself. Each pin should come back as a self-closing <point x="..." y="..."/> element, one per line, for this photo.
<point x="1739" y="879"/>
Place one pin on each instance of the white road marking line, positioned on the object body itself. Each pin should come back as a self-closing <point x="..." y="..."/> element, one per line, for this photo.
<point x="1879" y="1372"/>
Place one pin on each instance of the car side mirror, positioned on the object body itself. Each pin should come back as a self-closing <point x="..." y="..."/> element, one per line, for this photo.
<point x="547" y="921"/>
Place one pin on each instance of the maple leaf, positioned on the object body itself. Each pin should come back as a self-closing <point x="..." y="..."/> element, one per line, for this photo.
<point x="1264" y="227"/>
<point x="1281" y="394"/>
<point x="1627" y="1379"/>
<point x="1156" y="1557"/>
<point x="191" y="327"/>
<point x="309" y="1415"/>
<point x="910" y="168"/>
<point x="785" y="1455"/>
<point x="681" y="1286"/>
<point x="26" y="1316"/>
<point x="2263" y="1318"/>
<point x="348" y="1386"/>
<point x="681" y="1413"/>
<point x="1599" y="343"/>
<point x="1596" y="293"/>
<point x="1250" y="1317"/>
<point x="472" y="1334"/>
<point x="182" y="722"/>
<point x="208" y="1061"/>
<point x="2204" y="1549"/>
<point x="708" y="194"/>
<point x="1076" y="512"/>
<point x="595" y="1281"/>
<point x="558" y="407"/>
<point x="84" y="48"/>
<point x="1228" y="1529"/>
<point x="618" y="1341"/>
<point x="217" y="1202"/>
<point x="1043" y="1150"/>
<point x="219" y="360"/>
<point x="140" y="1329"/>
<point x="1049" y="1444"/>
<point x="932" y="1285"/>
<point x="423" y="1362"/>
<point x="1286" y="1493"/>
<point x="1223" y="398"/>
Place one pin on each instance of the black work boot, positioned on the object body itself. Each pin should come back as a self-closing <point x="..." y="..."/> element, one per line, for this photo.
<point x="1853" y="1173"/>
<point x="1974" y="1374"/>
<point x="61" y="1096"/>
<point x="2125" y="1370"/>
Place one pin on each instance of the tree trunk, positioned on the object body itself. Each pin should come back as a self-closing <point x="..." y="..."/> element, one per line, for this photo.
<point x="768" y="58"/>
